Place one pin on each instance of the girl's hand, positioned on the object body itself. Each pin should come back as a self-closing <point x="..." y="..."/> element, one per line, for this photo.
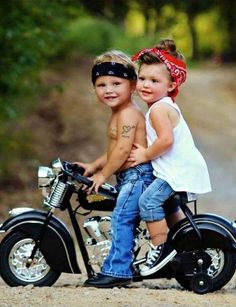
<point x="98" y="179"/>
<point x="138" y="155"/>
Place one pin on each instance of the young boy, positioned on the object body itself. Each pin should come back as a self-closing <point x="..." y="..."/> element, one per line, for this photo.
<point x="114" y="80"/>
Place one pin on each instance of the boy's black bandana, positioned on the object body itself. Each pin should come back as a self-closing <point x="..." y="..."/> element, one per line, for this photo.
<point x="113" y="69"/>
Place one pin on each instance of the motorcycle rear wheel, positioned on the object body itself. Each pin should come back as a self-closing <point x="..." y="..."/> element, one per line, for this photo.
<point x="221" y="270"/>
<point x="15" y="250"/>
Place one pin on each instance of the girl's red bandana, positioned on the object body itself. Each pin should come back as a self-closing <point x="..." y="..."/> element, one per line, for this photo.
<point x="176" y="67"/>
<point x="113" y="69"/>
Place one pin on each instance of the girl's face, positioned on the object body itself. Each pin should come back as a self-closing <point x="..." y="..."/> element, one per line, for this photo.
<point x="154" y="82"/>
<point x="114" y="91"/>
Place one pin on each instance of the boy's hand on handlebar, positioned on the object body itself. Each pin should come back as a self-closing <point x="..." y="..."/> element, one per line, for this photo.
<point x="89" y="169"/>
<point x="98" y="179"/>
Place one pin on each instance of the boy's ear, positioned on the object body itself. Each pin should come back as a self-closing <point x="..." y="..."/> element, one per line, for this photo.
<point x="172" y="86"/>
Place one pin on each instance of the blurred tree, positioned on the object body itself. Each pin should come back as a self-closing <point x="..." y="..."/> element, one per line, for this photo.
<point x="30" y="33"/>
<point x="151" y="10"/>
<point x="148" y="7"/>
<point x="211" y="33"/>
<point x="227" y="9"/>
<point x="110" y="9"/>
<point x="193" y="8"/>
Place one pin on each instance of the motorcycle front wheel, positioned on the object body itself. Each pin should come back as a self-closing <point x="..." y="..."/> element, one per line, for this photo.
<point x="15" y="251"/>
<point x="221" y="269"/>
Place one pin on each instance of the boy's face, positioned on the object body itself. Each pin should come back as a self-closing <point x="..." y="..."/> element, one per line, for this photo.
<point x="154" y="82"/>
<point x="114" y="91"/>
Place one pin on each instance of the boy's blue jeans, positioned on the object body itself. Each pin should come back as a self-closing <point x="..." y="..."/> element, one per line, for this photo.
<point x="130" y="185"/>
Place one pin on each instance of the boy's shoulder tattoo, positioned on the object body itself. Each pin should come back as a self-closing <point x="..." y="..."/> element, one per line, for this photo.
<point x="126" y="129"/>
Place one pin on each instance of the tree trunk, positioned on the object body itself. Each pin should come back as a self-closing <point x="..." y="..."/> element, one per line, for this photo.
<point x="195" y="49"/>
<point x="230" y="18"/>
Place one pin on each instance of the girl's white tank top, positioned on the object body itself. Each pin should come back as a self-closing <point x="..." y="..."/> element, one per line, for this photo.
<point x="182" y="166"/>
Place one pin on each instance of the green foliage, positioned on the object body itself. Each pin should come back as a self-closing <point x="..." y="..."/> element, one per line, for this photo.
<point x="212" y="36"/>
<point x="14" y="144"/>
<point x="90" y="35"/>
<point x="174" y="25"/>
<point x="135" y="22"/>
<point x="93" y="36"/>
<point x="30" y="33"/>
<point x="131" y="44"/>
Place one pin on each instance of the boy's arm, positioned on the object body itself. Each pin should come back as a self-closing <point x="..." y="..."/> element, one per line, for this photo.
<point x="126" y="129"/>
<point x="93" y="167"/>
<point x="100" y="162"/>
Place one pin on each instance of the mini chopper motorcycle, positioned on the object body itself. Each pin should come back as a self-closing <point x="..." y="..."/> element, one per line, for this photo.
<point x="37" y="246"/>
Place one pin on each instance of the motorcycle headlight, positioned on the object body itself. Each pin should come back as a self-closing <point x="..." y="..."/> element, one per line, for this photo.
<point x="57" y="166"/>
<point x="45" y="176"/>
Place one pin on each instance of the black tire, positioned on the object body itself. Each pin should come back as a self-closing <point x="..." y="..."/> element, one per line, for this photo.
<point x="15" y="248"/>
<point x="220" y="275"/>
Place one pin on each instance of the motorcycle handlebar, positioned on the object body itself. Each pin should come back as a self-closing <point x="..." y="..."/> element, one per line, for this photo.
<point x="77" y="171"/>
<point x="73" y="167"/>
<point x="83" y="180"/>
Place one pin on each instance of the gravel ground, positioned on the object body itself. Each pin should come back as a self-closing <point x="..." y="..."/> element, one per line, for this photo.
<point x="68" y="291"/>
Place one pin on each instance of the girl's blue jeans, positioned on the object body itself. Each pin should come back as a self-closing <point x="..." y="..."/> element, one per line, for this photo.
<point x="152" y="202"/>
<point x="125" y="218"/>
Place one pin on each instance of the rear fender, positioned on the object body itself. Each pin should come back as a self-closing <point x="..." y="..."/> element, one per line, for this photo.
<point x="216" y="231"/>
<point x="57" y="245"/>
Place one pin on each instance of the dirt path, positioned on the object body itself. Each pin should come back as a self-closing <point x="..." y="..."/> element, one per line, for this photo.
<point x="68" y="291"/>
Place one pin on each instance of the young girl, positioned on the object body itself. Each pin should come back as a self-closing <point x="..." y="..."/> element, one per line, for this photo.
<point x="114" y="80"/>
<point x="178" y="165"/>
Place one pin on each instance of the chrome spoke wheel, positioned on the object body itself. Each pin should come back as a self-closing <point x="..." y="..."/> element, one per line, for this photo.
<point x="217" y="262"/>
<point x="18" y="259"/>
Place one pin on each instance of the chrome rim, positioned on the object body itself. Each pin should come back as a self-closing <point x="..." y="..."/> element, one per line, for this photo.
<point x="217" y="262"/>
<point x="18" y="258"/>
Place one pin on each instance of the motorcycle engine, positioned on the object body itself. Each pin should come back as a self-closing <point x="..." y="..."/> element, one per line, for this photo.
<point x="98" y="242"/>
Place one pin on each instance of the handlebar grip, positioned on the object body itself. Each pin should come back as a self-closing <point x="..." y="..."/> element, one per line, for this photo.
<point x="76" y="171"/>
<point x="74" y="167"/>
<point x="104" y="189"/>
<point x="83" y="180"/>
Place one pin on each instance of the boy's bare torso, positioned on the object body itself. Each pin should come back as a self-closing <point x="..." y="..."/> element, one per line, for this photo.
<point x="139" y="128"/>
